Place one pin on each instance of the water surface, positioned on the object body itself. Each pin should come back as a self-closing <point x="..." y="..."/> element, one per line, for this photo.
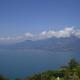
<point x="21" y="63"/>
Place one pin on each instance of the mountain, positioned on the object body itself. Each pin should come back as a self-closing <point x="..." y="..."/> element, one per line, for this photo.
<point x="61" y="44"/>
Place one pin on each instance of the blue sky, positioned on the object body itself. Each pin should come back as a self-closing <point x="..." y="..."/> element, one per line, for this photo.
<point x="21" y="16"/>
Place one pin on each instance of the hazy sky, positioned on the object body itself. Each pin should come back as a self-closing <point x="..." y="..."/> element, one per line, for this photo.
<point x="20" y="16"/>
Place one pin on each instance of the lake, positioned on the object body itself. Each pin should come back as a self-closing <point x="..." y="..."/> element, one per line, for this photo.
<point x="22" y="63"/>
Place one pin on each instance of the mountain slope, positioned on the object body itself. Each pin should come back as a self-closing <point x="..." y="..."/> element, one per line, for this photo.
<point x="71" y="43"/>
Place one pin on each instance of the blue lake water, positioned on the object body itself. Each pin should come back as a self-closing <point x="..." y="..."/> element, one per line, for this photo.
<point x="22" y="63"/>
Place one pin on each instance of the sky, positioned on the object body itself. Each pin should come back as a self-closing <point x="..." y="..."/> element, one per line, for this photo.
<point x="18" y="17"/>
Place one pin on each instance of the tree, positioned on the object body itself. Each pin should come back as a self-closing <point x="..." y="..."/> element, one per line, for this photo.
<point x="73" y="63"/>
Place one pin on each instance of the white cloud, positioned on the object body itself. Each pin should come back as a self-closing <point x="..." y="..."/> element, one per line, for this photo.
<point x="66" y="32"/>
<point x="77" y="33"/>
<point x="28" y="34"/>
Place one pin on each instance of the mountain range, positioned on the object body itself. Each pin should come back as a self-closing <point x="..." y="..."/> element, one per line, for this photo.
<point x="52" y="44"/>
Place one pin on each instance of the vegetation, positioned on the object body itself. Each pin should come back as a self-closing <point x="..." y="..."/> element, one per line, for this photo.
<point x="3" y="78"/>
<point x="70" y="72"/>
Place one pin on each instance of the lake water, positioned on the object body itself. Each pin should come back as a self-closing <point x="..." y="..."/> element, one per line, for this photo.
<point x="22" y="63"/>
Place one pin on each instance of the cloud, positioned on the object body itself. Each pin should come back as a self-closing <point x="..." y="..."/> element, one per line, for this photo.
<point x="65" y="33"/>
<point x="26" y="36"/>
<point x="77" y="33"/>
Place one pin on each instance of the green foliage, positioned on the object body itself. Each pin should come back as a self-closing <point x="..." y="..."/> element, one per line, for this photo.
<point x="70" y="72"/>
<point x="34" y="77"/>
<point x="3" y="78"/>
<point x="47" y="75"/>
<point x="73" y="63"/>
<point x="18" y="79"/>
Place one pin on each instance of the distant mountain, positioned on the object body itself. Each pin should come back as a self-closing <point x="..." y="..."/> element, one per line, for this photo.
<point x="53" y="44"/>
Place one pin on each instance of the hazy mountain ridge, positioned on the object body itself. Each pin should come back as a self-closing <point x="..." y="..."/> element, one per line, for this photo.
<point x="71" y="43"/>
